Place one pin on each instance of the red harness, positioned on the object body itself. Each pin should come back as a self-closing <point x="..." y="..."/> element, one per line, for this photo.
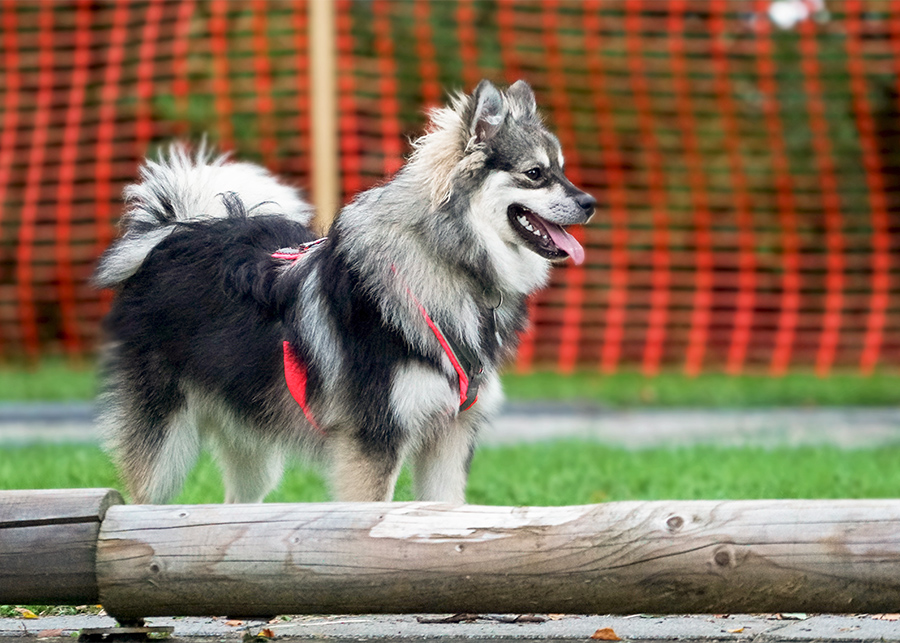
<point x="295" y="373"/>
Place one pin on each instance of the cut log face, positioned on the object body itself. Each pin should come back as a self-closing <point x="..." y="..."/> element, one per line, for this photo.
<point x="48" y="545"/>
<point x="628" y="557"/>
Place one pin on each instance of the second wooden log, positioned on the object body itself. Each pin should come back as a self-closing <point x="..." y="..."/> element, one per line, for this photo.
<point x="48" y="544"/>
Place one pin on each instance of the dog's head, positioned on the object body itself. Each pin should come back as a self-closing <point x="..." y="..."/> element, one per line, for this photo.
<point x="525" y="182"/>
<point x="499" y="157"/>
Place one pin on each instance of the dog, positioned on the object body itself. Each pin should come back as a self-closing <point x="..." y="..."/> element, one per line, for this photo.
<point x="232" y="325"/>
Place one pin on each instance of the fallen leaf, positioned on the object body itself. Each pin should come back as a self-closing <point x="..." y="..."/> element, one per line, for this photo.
<point x="736" y="630"/>
<point x="234" y="623"/>
<point x="49" y="634"/>
<point x="605" y="634"/>
<point x="24" y="612"/>
<point x="453" y="618"/>
<point x="266" y="633"/>
<point x="251" y="638"/>
<point x="887" y="617"/>
<point x="793" y="616"/>
<point x="556" y="617"/>
<point x="721" y="615"/>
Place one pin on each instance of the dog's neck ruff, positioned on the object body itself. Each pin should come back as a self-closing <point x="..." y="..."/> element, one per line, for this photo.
<point x="469" y="369"/>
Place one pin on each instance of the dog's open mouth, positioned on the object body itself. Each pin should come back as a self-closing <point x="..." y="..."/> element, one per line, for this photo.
<point x="547" y="239"/>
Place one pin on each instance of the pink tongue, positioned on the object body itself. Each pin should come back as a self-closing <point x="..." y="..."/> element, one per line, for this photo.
<point x="565" y="241"/>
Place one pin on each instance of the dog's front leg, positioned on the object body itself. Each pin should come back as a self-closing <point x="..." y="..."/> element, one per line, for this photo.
<point x="441" y="462"/>
<point x="363" y="470"/>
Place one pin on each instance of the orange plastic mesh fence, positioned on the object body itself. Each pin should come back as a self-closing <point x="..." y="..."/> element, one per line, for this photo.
<point x="746" y="155"/>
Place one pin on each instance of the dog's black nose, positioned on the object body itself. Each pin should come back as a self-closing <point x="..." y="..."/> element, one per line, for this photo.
<point x="587" y="202"/>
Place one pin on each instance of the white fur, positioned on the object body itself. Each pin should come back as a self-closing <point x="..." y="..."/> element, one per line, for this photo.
<point x="552" y="203"/>
<point x="419" y="394"/>
<point x="199" y="181"/>
<point x="439" y="466"/>
<point x="130" y="252"/>
<point x="150" y="480"/>
<point x="175" y="460"/>
<point x="441" y="458"/>
<point x="541" y="157"/>
<point x="193" y="185"/>
<point x="251" y="468"/>
<point x="521" y="270"/>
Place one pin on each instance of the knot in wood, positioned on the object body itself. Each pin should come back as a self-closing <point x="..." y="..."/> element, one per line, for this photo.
<point x="722" y="558"/>
<point x="674" y="523"/>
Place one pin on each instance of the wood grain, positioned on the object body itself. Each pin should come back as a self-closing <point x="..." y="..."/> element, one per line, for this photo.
<point x="629" y="557"/>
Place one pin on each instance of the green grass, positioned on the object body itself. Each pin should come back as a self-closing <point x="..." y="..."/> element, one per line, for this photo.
<point x="57" y="380"/>
<point x="12" y="611"/>
<point x="628" y="389"/>
<point x="559" y="473"/>
<point x="52" y="380"/>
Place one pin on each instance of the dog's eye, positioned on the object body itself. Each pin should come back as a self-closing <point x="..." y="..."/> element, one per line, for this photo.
<point x="534" y="173"/>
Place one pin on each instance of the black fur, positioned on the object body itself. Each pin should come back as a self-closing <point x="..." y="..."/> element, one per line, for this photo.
<point x="225" y="338"/>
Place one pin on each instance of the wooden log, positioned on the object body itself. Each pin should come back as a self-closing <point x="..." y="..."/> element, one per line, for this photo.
<point x="626" y="557"/>
<point x="48" y="544"/>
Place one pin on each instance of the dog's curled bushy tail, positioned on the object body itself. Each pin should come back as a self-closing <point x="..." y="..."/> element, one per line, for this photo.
<point x="184" y="187"/>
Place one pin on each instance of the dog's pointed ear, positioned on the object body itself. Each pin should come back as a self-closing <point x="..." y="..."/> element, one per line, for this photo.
<point x="521" y="96"/>
<point x="490" y="111"/>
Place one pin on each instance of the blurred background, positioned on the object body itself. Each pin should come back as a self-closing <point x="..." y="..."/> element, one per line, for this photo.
<point x="745" y="256"/>
<point x="746" y="154"/>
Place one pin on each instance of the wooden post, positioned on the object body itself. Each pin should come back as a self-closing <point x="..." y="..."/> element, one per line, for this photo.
<point x="626" y="557"/>
<point x="48" y="544"/>
<point x="323" y="74"/>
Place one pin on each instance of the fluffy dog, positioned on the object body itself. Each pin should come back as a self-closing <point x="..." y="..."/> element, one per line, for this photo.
<point x="233" y="325"/>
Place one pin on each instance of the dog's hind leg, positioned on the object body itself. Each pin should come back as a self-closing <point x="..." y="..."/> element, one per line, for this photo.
<point x="152" y="438"/>
<point x="251" y="467"/>
<point x="362" y="471"/>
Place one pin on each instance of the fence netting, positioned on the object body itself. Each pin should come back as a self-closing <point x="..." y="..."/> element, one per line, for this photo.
<point x="747" y="165"/>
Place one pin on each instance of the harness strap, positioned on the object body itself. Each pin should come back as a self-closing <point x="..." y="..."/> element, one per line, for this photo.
<point x="468" y="386"/>
<point x="296" y="377"/>
<point x="292" y="254"/>
<point x="295" y="373"/>
<point x="463" y="360"/>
